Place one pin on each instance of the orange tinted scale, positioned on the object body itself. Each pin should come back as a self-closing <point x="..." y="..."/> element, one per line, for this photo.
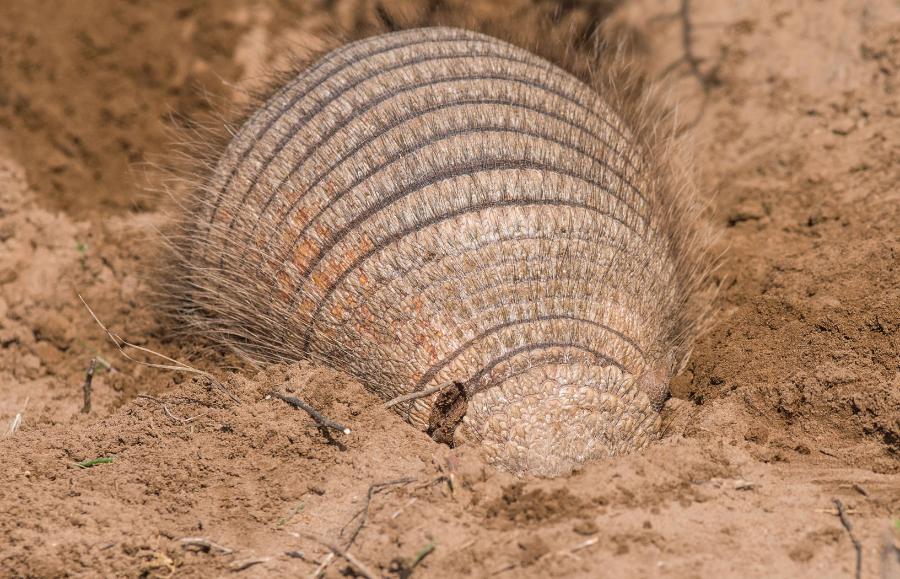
<point x="303" y="252"/>
<point x="320" y="279"/>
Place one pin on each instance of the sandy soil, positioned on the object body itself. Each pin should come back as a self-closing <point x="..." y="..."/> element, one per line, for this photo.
<point x="790" y="401"/>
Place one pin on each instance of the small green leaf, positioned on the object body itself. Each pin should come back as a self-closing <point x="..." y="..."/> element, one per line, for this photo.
<point x="289" y="516"/>
<point x="422" y="554"/>
<point x="94" y="462"/>
<point x="103" y="363"/>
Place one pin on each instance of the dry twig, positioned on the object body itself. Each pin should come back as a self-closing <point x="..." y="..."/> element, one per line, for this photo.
<point x="88" y="380"/>
<point x="505" y="568"/>
<point x="690" y="58"/>
<point x="172" y="364"/>
<point x="322" y="420"/>
<point x="322" y="566"/>
<point x="363" y="569"/>
<point x="845" y="520"/>
<point x="16" y="422"/>
<point x="415" y="395"/>
<point x="363" y="513"/>
<point x="204" y="544"/>
<point x="401" y="509"/>
<point x="687" y="41"/>
<point x="570" y="552"/>
<point x="169" y="413"/>
<point x="242" y="565"/>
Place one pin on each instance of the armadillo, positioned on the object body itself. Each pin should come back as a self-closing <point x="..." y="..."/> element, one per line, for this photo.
<point x="437" y="207"/>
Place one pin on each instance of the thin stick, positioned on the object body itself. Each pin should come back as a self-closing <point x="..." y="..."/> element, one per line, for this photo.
<point x="363" y="513"/>
<point x="172" y="416"/>
<point x="169" y="413"/>
<point x="692" y="60"/>
<point x="204" y="544"/>
<point x="14" y="424"/>
<point x="687" y="41"/>
<point x="17" y="420"/>
<point x="322" y="420"/>
<point x="415" y="395"/>
<point x="845" y="520"/>
<point x="423" y="552"/>
<point x="148" y="397"/>
<point x="88" y="380"/>
<point x="401" y="509"/>
<point x="360" y="566"/>
<point x="584" y="544"/>
<point x="570" y="552"/>
<point x="173" y="364"/>
<point x="323" y="565"/>
<point x="238" y="566"/>
<point x="107" y="365"/>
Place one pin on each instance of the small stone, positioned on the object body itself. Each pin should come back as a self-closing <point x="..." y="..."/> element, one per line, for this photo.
<point x="681" y="385"/>
<point x="747" y="211"/>
<point x="585" y="527"/>
<point x="843" y="127"/>
<point x="758" y="434"/>
<point x="532" y="549"/>
<point x="744" y="485"/>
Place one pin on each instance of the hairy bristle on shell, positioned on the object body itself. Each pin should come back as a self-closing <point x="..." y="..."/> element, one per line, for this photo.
<point x="436" y="206"/>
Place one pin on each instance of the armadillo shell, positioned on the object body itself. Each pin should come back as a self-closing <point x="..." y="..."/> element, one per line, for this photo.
<point x="435" y="206"/>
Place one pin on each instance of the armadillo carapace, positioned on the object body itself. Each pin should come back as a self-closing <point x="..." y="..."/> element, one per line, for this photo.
<point x="435" y="206"/>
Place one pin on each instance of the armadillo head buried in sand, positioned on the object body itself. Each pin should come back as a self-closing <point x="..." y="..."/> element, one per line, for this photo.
<point x="439" y="207"/>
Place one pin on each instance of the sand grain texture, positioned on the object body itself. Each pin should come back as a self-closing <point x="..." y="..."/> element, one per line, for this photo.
<point x="791" y="400"/>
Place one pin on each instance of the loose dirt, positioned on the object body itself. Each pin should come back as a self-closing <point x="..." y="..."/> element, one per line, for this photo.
<point x="790" y="401"/>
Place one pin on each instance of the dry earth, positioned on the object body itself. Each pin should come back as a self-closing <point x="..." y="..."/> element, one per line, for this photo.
<point x="790" y="401"/>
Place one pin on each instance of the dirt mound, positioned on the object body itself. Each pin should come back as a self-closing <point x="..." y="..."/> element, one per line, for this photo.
<point x="790" y="401"/>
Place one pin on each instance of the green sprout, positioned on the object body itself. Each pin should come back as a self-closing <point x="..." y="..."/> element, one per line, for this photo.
<point x="423" y="552"/>
<point x="94" y="462"/>
<point x="283" y="520"/>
